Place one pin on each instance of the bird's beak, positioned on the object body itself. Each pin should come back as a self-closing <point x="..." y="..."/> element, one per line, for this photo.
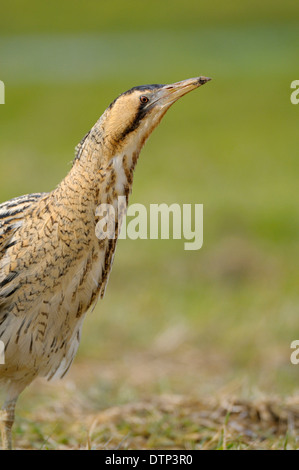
<point x="169" y="94"/>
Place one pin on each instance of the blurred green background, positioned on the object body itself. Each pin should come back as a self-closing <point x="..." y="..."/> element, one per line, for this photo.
<point x="228" y="312"/>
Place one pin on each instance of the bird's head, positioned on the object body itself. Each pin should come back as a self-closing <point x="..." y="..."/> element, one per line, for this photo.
<point x="132" y="117"/>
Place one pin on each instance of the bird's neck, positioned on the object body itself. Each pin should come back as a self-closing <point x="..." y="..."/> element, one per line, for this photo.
<point x="102" y="172"/>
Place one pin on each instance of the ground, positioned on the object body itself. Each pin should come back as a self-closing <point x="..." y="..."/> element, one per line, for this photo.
<point x="72" y="416"/>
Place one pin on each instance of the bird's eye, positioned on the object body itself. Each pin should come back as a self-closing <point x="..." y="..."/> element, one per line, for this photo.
<point x="144" y="99"/>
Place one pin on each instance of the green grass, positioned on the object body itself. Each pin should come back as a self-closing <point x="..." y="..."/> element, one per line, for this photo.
<point x="196" y="321"/>
<point x="19" y="16"/>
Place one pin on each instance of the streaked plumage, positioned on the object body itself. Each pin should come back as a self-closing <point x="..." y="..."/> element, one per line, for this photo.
<point x="52" y="265"/>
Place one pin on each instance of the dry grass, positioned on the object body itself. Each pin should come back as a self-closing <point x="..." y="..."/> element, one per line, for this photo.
<point x="170" y="422"/>
<point x="78" y="413"/>
<point x="176" y="422"/>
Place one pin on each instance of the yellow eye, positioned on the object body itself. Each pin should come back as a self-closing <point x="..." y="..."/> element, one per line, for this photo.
<point x="144" y="99"/>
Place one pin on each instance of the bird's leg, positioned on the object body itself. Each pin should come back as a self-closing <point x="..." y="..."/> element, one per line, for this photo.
<point x="7" y="416"/>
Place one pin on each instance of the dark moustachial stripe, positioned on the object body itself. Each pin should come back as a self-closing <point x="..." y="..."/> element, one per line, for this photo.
<point x="142" y="110"/>
<point x="133" y="125"/>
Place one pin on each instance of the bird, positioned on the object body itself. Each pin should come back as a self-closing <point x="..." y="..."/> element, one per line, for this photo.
<point x="53" y="265"/>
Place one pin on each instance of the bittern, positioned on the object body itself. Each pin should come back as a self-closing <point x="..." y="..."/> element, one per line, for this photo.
<point x="53" y="266"/>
